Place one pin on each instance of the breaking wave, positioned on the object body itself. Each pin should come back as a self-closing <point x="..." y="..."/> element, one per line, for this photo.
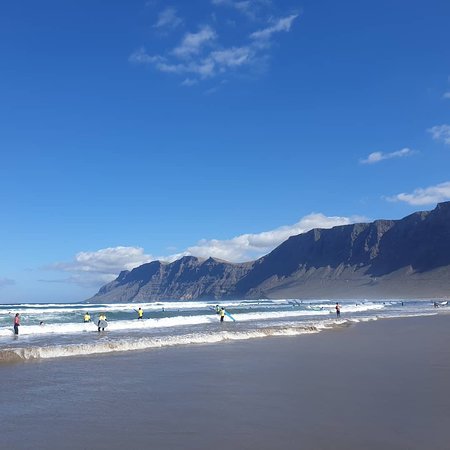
<point x="145" y="343"/>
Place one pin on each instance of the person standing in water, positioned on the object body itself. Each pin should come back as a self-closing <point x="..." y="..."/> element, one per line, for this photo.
<point x="222" y="314"/>
<point x="87" y="318"/>
<point x="140" y="313"/>
<point x="338" y="310"/>
<point x="101" y="318"/>
<point x="16" y="323"/>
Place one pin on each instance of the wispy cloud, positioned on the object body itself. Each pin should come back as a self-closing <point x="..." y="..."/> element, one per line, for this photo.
<point x="440" y="133"/>
<point x="140" y="56"/>
<point x="250" y="8"/>
<point x="200" y="55"/>
<point x="192" y="43"/>
<point x="6" y="282"/>
<point x="102" y="266"/>
<point x="376" y="157"/>
<point x="215" y="63"/>
<point x="424" y="196"/>
<point x="189" y="82"/>
<point x="168" y="18"/>
<point x="282" y="24"/>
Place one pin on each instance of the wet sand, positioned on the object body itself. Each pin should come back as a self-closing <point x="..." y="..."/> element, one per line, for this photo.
<point x="379" y="385"/>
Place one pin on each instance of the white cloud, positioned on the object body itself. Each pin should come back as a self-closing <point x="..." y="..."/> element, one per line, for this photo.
<point x="189" y="82"/>
<point x="376" y="157"/>
<point x="168" y="19"/>
<point x="217" y="61"/>
<point x="102" y="266"/>
<point x="232" y="57"/>
<point x="140" y="56"/>
<point x="440" y="133"/>
<point x="282" y="24"/>
<point x="202" y="68"/>
<point x="250" y="8"/>
<point x="200" y="55"/>
<point x="192" y="43"/>
<point x="426" y="196"/>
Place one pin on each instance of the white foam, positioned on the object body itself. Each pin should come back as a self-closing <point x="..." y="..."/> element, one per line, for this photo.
<point x="123" y="345"/>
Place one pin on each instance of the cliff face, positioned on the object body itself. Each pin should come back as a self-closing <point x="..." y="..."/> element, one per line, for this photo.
<point x="186" y="279"/>
<point x="386" y="258"/>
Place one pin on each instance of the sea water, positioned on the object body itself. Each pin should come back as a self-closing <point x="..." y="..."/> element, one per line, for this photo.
<point x="53" y="330"/>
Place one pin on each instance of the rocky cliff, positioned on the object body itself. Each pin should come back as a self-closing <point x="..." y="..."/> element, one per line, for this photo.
<point x="383" y="259"/>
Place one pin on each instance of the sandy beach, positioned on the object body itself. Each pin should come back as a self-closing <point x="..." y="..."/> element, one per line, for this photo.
<point x="382" y="384"/>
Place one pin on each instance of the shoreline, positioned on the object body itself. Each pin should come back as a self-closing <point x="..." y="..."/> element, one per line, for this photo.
<point x="378" y="384"/>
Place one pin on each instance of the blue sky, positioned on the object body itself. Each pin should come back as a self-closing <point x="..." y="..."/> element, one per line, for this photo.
<point x="137" y="130"/>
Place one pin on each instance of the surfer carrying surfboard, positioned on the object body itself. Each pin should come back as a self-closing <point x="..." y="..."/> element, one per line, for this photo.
<point x="102" y="322"/>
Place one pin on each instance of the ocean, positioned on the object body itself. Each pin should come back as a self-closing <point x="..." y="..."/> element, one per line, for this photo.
<point x="54" y="330"/>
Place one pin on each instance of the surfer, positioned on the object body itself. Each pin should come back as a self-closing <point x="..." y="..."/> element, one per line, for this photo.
<point x="222" y="314"/>
<point x="140" y="313"/>
<point x="101" y="322"/>
<point x="87" y="318"/>
<point x="218" y="309"/>
<point x="16" y="323"/>
<point x="338" y="309"/>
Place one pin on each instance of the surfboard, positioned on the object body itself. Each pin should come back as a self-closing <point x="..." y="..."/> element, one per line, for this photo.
<point x="230" y="316"/>
<point x="102" y="323"/>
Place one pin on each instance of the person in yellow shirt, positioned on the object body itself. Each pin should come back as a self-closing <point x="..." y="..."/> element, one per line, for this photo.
<point x="222" y="314"/>
<point x="101" y="322"/>
<point x="140" y="313"/>
<point x="87" y="318"/>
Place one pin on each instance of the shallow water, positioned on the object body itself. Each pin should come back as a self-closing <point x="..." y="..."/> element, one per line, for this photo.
<point x="63" y="333"/>
<point x="377" y="385"/>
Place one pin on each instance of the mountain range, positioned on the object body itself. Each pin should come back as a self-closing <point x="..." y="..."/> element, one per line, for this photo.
<point x="406" y="258"/>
